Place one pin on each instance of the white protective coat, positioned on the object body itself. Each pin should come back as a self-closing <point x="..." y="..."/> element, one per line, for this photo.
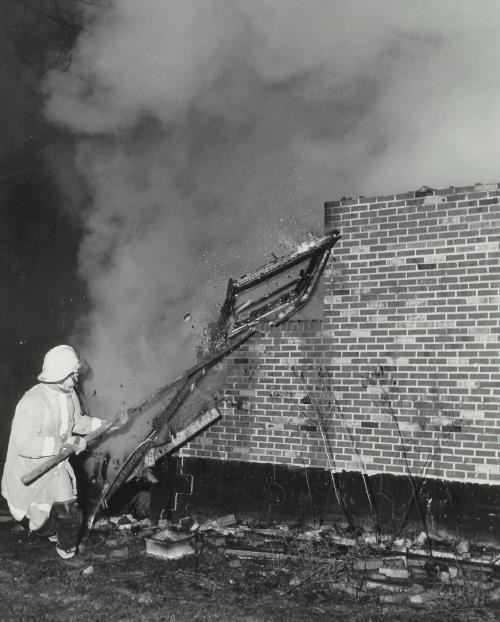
<point x="43" y="415"/>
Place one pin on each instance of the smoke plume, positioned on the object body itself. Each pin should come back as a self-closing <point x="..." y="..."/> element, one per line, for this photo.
<point x="208" y="134"/>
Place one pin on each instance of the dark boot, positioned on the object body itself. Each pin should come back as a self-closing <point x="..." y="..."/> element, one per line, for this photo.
<point x="68" y="522"/>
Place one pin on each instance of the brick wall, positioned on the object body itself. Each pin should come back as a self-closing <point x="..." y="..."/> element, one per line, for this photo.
<point x="403" y="368"/>
<point x="261" y="419"/>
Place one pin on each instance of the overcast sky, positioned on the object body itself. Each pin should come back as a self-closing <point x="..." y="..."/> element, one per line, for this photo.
<point x="206" y="135"/>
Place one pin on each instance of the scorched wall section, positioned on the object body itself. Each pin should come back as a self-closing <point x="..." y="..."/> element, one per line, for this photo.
<point x="261" y="413"/>
<point x="404" y="365"/>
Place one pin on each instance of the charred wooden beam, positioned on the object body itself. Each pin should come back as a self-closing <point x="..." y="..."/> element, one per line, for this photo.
<point x="287" y="262"/>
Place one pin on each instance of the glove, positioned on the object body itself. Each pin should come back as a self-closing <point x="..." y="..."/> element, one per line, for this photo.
<point x="77" y="443"/>
<point x="122" y="418"/>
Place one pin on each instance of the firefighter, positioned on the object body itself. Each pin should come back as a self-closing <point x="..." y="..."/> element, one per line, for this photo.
<point x="48" y="419"/>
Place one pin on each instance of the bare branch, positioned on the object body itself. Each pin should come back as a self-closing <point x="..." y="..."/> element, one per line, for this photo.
<point x="42" y="34"/>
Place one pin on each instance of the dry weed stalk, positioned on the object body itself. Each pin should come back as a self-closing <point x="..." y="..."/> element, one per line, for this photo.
<point x="467" y="591"/>
<point x="325" y="403"/>
<point x="320" y="561"/>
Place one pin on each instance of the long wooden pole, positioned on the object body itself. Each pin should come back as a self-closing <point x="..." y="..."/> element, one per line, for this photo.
<point x="50" y="463"/>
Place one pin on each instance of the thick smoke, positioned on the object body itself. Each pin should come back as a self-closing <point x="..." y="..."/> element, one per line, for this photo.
<point x="208" y="134"/>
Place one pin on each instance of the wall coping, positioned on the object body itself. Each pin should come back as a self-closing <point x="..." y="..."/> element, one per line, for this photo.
<point x="452" y="192"/>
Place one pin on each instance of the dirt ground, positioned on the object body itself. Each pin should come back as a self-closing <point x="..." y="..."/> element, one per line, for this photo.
<point x="119" y="581"/>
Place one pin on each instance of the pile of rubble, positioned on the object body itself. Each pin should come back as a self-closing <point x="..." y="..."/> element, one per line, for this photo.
<point x="401" y="571"/>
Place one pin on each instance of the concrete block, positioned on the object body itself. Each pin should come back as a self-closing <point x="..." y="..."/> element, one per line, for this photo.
<point x="422" y="598"/>
<point x="368" y="564"/>
<point x="453" y="572"/>
<point x="414" y="562"/>
<point x="346" y="588"/>
<point x="119" y="553"/>
<point x="224" y="521"/>
<point x="401" y="543"/>
<point x="377" y="576"/>
<point x="416" y="588"/>
<point x="395" y="561"/>
<point x="463" y="547"/>
<point x="395" y="573"/>
<point x="169" y="549"/>
<point x="235" y="563"/>
<point x="397" y="597"/>
<point x="373" y="584"/>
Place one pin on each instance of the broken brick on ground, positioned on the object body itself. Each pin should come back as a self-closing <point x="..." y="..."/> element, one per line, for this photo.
<point x="361" y="566"/>
<point x="310" y="574"/>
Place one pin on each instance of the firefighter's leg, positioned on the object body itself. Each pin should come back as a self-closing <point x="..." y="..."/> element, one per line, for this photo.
<point x="55" y="512"/>
<point x="68" y="522"/>
<point x="48" y="529"/>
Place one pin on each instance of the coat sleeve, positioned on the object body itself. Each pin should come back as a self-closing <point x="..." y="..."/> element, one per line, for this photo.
<point x="28" y="432"/>
<point x="84" y="424"/>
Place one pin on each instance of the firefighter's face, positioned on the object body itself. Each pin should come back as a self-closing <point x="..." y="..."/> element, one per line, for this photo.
<point x="70" y="381"/>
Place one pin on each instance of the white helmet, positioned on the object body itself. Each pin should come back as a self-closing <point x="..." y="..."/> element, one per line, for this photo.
<point x="58" y="364"/>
